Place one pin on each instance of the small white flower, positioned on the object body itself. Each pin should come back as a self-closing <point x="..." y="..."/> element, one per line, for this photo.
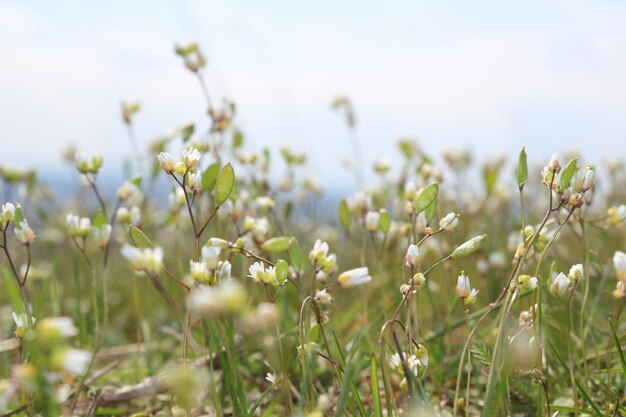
<point x="23" y="233"/>
<point x="560" y="284"/>
<point x="78" y="226"/>
<point x="323" y="297"/>
<point x="271" y="378"/>
<point x="449" y="222"/>
<point x="224" y="297"/>
<point x="191" y="156"/>
<point x="354" y="277"/>
<point x="57" y="327"/>
<point x="102" y="235"/>
<point x="619" y="263"/>
<point x="224" y="270"/>
<point x="194" y="181"/>
<point x="410" y="191"/>
<point x="148" y="259"/>
<point x="471" y="298"/>
<point x="576" y="272"/>
<point x="263" y="275"/>
<point x="166" y="161"/>
<point x="412" y="256"/>
<point x="320" y="250"/>
<point x="211" y="256"/>
<point x="73" y="361"/>
<point x="617" y="215"/>
<point x="6" y="215"/>
<point x="372" y="220"/>
<point x="199" y="271"/>
<point x="463" y="286"/>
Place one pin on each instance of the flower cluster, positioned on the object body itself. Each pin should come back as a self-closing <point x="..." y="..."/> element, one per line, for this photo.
<point x="210" y="269"/>
<point x="570" y="185"/>
<point x="264" y="275"/>
<point x="323" y="261"/>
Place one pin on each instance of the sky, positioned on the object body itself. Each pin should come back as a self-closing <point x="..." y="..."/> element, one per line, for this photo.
<point x="491" y="75"/>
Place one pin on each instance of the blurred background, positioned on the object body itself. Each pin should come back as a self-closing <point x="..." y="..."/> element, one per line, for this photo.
<point x="491" y="76"/>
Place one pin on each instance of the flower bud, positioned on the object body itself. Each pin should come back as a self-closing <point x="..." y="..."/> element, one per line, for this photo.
<point x="412" y="256"/>
<point x="372" y="220"/>
<point x="166" y="161"/>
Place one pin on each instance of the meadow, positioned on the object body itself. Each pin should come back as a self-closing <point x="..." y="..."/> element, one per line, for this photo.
<point x="230" y="293"/>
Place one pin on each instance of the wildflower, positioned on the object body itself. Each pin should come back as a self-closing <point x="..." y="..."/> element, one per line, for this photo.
<point x="421" y="353"/>
<point x="78" y="226"/>
<point x="412" y="256"/>
<point x="319" y="251"/>
<point x="264" y="275"/>
<point x="418" y="280"/>
<point x="191" y="156"/>
<point x="619" y="263"/>
<point x="462" y="286"/>
<point x="224" y="298"/>
<point x="223" y="270"/>
<point x="406" y="290"/>
<point x="471" y="298"/>
<point x="52" y="328"/>
<point x="549" y="172"/>
<point x="149" y="260"/>
<point x="166" y="161"/>
<point x="354" y="277"/>
<point x="616" y="215"/>
<point x="576" y="273"/>
<point x="129" y="193"/>
<point x="73" y="361"/>
<point x="102" y="235"/>
<point x="271" y="378"/>
<point x="23" y="233"/>
<point x="220" y="243"/>
<point x="526" y="282"/>
<point x="21" y="324"/>
<point x="525" y="318"/>
<point x="620" y="290"/>
<point x="6" y="215"/>
<point x="210" y="256"/>
<point x="323" y="297"/>
<point x="194" y="182"/>
<point x="199" y="271"/>
<point x="560" y="284"/>
<point x="584" y="180"/>
<point x="86" y="165"/>
<point x="449" y="222"/>
<point x="372" y="220"/>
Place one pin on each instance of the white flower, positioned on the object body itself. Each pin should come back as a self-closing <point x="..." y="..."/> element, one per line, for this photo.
<point x="463" y="286"/>
<point x="78" y="226"/>
<point x="617" y="214"/>
<point x="57" y="327"/>
<point x="449" y="222"/>
<point x="194" y="181"/>
<point x="73" y="361"/>
<point x="263" y="275"/>
<point x="6" y="215"/>
<point x="320" y="250"/>
<point x="148" y="259"/>
<point x="211" y="256"/>
<point x="412" y="256"/>
<point x="224" y="297"/>
<point x="191" y="156"/>
<point x="199" y="271"/>
<point x="224" y="270"/>
<point x="271" y="378"/>
<point x="619" y="263"/>
<point x="354" y="277"/>
<point x="129" y="193"/>
<point x="576" y="272"/>
<point x="418" y="280"/>
<point x="23" y="233"/>
<point x="372" y="220"/>
<point x="220" y="243"/>
<point x="560" y="284"/>
<point x="584" y="180"/>
<point x="410" y="191"/>
<point x="471" y="298"/>
<point x="323" y="297"/>
<point x="102" y="235"/>
<point x="166" y="161"/>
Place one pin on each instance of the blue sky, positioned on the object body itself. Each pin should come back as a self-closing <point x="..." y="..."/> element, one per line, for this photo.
<point x="496" y="76"/>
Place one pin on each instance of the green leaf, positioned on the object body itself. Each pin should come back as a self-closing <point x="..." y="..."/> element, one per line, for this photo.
<point x="282" y="270"/>
<point x="99" y="219"/>
<point x="237" y="139"/>
<point x="522" y="169"/>
<point x="620" y="352"/>
<point x="468" y="247"/>
<point x="378" y="411"/>
<point x="138" y="238"/>
<point x="18" y="217"/>
<point x="431" y="211"/>
<point x="426" y="197"/>
<point x="210" y="176"/>
<point x="344" y="214"/>
<point x="277" y="244"/>
<point x="385" y="221"/>
<point x="567" y="174"/>
<point x="295" y="255"/>
<point x="224" y="184"/>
